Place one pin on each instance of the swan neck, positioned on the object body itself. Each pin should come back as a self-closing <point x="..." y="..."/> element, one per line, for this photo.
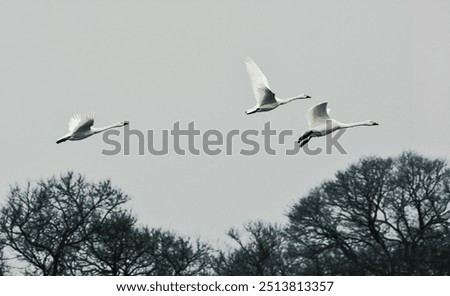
<point x="353" y="124"/>
<point x="284" y="101"/>
<point x="102" y="129"/>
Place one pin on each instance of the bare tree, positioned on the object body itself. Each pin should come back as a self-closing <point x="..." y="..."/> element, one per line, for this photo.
<point x="261" y="250"/>
<point x="118" y="247"/>
<point x="47" y="223"/>
<point x="380" y="216"/>
<point x="179" y="256"/>
<point x="4" y="268"/>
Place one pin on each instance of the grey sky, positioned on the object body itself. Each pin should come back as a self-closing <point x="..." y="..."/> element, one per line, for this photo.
<point x="157" y="62"/>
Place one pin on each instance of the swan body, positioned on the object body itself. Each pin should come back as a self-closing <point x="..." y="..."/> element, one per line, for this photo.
<point x="320" y="123"/>
<point x="265" y="98"/>
<point x="80" y="127"/>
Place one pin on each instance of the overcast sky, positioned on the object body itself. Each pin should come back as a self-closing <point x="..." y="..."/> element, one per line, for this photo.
<point x="158" y="62"/>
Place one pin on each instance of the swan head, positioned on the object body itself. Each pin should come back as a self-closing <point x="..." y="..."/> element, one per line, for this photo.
<point x="371" y="122"/>
<point x="123" y="123"/>
<point x="306" y="96"/>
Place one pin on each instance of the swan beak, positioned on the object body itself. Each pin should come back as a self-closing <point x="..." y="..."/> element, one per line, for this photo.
<point x="308" y="97"/>
<point x="375" y="123"/>
<point x="126" y="123"/>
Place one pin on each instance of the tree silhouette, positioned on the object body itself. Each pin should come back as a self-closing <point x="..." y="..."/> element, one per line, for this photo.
<point x="379" y="217"/>
<point x="261" y="251"/>
<point x="179" y="256"/>
<point x="67" y="226"/>
<point x="4" y="268"/>
<point x="47" y="223"/>
<point x="119" y="247"/>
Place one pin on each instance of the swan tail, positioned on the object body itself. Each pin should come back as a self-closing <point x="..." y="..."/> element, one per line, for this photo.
<point x="251" y="111"/>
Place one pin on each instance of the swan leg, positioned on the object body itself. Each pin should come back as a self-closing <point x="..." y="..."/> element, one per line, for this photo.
<point x="305" y="141"/>
<point x="62" y="140"/>
<point x="305" y="136"/>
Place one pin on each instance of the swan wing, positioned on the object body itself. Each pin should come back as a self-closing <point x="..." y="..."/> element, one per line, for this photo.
<point x="318" y="115"/>
<point x="80" y="122"/>
<point x="260" y="86"/>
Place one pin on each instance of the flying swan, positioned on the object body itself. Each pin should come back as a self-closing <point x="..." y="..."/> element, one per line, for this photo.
<point x="265" y="98"/>
<point x="320" y="123"/>
<point x="80" y="127"/>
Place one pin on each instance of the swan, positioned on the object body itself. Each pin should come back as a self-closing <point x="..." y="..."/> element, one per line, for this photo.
<point x="320" y="123"/>
<point x="80" y="127"/>
<point x="265" y="98"/>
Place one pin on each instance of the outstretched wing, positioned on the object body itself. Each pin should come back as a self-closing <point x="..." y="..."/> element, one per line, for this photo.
<point x="260" y="86"/>
<point x="318" y="115"/>
<point x="79" y="123"/>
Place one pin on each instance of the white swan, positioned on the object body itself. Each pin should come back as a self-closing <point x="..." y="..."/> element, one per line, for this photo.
<point x="265" y="98"/>
<point x="320" y="123"/>
<point x="80" y="127"/>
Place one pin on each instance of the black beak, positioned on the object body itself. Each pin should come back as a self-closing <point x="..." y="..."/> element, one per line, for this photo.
<point x="375" y="123"/>
<point x="308" y="97"/>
